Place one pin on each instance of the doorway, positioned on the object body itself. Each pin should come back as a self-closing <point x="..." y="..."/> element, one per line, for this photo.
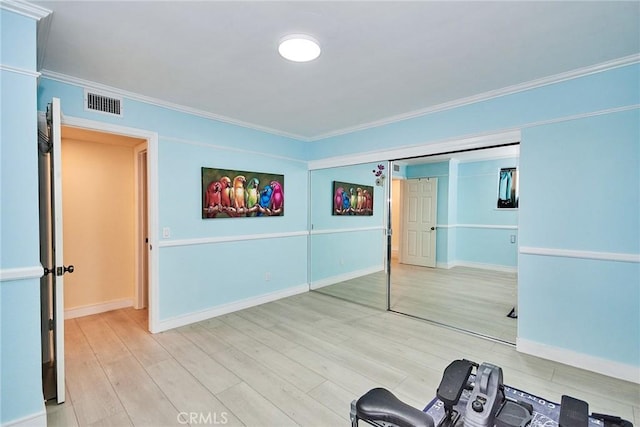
<point x="419" y="207"/>
<point x="105" y="226"/>
<point x="51" y="233"/>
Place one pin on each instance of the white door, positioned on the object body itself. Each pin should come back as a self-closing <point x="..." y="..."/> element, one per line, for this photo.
<point x="51" y="253"/>
<point x="419" y="207"/>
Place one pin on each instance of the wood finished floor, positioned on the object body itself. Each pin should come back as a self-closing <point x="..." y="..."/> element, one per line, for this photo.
<point x="297" y="361"/>
<point x="467" y="298"/>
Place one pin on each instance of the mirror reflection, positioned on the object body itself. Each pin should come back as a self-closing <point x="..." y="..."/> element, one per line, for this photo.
<point x="348" y="243"/>
<point x="453" y="250"/>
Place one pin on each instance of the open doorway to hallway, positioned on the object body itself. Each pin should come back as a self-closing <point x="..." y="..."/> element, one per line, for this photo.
<point x="105" y="221"/>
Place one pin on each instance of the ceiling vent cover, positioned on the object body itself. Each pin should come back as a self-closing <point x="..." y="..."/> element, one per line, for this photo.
<point x="102" y="103"/>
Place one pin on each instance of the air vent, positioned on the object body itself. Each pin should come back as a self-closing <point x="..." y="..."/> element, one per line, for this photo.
<point x="102" y="103"/>
<point x="396" y="168"/>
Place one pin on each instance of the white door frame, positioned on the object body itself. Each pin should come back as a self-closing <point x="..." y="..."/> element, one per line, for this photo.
<point x="141" y="185"/>
<point x="152" y="200"/>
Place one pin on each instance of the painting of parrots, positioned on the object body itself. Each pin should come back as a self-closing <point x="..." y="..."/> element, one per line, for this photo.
<point x="352" y="199"/>
<point x="228" y="193"/>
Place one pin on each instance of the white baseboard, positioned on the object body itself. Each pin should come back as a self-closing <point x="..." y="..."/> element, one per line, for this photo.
<point x="482" y="266"/>
<point x="38" y="419"/>
<point x="186" y="319"/>
<point x="343" y="277"/>
<point x="591" y="363"/>
<point x="88" y="310"/>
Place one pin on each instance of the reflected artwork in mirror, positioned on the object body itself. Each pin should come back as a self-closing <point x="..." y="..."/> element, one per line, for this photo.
<point x="352" y="199"/>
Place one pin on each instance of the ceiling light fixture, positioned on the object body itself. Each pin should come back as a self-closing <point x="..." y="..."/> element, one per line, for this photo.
<point x="299" y="48"/>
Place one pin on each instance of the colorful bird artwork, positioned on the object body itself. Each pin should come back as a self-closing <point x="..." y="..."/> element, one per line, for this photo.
<point x="251" y="196"/>
<point x="234" y="194"/>
<point x="225" y="183"/>
<point x="265" y="201"/>
<point x="346" y="202"/>
<point x="352" y="199"/>
<point x="337" y="200"/>
<point x="277" y="197"/>
<point x="213" y="199"/>
<point x="238" y="193"/>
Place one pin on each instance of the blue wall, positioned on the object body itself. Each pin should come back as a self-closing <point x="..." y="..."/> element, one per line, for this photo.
<point x="580" y="187"/>
<point x="587" y="215"/>
<point x="195" y="277"/>
<point x="20" y="348"/>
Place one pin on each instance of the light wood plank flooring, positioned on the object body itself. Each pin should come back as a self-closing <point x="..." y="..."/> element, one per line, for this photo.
<point x="297" y="361"/>
<point x="471" y="299"/>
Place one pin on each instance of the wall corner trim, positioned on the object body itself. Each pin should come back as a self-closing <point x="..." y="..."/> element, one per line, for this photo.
<point x="607" y="367"/>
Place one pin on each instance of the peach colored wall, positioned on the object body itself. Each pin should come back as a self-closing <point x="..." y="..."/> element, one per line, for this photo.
<point x="396" y="190"/>
<point x="99" y="215"/>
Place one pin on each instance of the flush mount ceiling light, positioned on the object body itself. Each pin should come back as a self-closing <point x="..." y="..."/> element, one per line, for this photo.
<point x="299" y="48"/>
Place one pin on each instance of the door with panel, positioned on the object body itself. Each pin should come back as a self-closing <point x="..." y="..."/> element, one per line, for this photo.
<point x="419" y="208"/>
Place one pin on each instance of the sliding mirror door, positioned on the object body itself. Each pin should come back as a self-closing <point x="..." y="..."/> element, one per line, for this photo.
<point x="455" y="239"/>
<point x="348" y="243"/>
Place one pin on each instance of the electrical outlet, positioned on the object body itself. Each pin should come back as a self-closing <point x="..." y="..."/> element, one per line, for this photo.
<point x="513" y="238"/>
<point x="166" y="232"/>
<point x="267" y="276"/>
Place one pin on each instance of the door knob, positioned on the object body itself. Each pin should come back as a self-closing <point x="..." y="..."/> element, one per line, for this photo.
<point x="433" y="228"/>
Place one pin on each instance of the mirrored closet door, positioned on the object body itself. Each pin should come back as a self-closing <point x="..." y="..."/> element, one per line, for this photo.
<point x="348" y="242"/>
<point x="454" y="242"/>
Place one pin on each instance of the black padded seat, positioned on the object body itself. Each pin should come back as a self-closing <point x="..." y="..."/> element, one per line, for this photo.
<point x="380" y="404"/>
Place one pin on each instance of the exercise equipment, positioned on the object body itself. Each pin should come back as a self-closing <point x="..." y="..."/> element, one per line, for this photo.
<point x="473" y="395"/>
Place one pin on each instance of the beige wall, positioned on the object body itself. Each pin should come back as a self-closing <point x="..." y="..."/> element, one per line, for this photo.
<point x="99" y="220"/>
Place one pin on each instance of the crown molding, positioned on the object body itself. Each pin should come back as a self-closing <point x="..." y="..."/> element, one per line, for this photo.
<point x="63" y="78"/>
<point x="533" y="84"/>
<point x="25" y="9"/>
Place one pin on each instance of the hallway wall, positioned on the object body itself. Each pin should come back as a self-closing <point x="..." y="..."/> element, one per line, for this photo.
<point x="99" y="214"/>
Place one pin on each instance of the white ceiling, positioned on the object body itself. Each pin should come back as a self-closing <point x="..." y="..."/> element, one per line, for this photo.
<point x="380" y="60"/>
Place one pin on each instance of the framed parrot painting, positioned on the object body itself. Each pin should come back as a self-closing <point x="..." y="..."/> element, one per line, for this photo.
<point x="352" y="199"/>
<point x="234" y="194"/>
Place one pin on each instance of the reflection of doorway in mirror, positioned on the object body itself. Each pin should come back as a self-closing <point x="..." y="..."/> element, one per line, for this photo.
<point x="419" y="207"/>
<point x="508" y="188"/>
<point x="396" y="215"/>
